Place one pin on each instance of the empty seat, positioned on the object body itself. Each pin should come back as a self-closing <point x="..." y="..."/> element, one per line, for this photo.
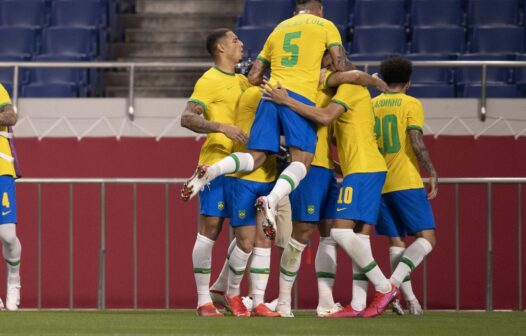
<point x="433" y="13"/>
<point x="378" y="40"/>
<point x="521" y="72"/>
<point x="337" y="11"/>
<point x="438" y="40"/>
<point x="16" y="13"/>
<point x="430" y="75"/>
<point x="378" y="12"/>
<point x="474" y="74"/>
<point x="493" y="90"/>
<point x="266" y="12"/>
<point x="58" y="75"/>
<point x="70" y="41"/>
<point x="78" y="13"/>
<point x="364" y="58"/>
<point x="54" y="90"/>
<point x="431" y="90"/>
<point x="7" y="74"/>
<point x="492" y="12"/>
<point x="253" y="38"/>
<point x="18" y="41"/>
<point x="503" y="40"/>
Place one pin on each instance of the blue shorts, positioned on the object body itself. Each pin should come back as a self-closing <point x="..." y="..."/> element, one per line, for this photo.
<point x="273" y="120"/>
<point x="8" y="196"/>
<point x="309" y="200"/>
<point x="359" y="198"/>
<point x="405" y="212"/>
<point x="241" y="197"/>
<point x="212" y="200"/>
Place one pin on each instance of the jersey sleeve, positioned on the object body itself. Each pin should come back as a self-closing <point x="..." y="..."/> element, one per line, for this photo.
<point x="204" y="93"/>
<point x="415" y="116"/>
<point x="265" y="54"/>
<point x="343" y="96"/>
<point x="5" y="100"/>
<point x="333" y="35"/>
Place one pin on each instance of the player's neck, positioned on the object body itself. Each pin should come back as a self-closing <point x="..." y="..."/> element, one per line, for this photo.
<point x="397" y="89"/>
<point x="225" y="66"/>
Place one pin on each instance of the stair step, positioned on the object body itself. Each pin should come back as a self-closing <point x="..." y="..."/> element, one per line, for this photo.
<point x="188" y="6"/>
<point x="178" y="92"/>
<point x="179" y="21"/>
<point x="156" y="79"/>
<point x="191" y="49"/>
<point x="165" y="36"/>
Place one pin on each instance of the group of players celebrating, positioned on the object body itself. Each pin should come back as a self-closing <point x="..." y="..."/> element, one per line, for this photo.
<point x="313" y="100"/>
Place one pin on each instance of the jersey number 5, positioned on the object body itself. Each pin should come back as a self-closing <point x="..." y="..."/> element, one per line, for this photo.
<point x="388" y="129"/>
<point x="293" y="49"/>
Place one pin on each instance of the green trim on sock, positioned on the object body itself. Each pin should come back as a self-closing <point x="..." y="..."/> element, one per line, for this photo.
<point x="288" y="179"/>
<point x="407" y="278"/>
<point x="203" y="270"/>
<point x="408" y="262"/>
<point x="236" y="160"/>
<point x="287" y="273"/>
<point x="360" y="277"/>
<point x="13" y="263"/>
<point x="238" y="273"/>
<point x="369" y="267"/>
<point x="325" y="275"/>
<point x="260" y="270"/>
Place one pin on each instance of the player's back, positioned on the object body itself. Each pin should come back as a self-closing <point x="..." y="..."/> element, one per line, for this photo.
<point x="322" y="155"/>
<point x="294" y="51"/>
<point x="396" y="113"/>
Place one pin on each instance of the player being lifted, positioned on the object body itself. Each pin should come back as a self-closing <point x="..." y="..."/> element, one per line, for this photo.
<point x="405" y="207"/>
<point x="211" y="110"/>
<point x="293" y="52"/>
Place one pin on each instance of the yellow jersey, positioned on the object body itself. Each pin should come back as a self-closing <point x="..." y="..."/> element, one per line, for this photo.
<point x="322" y="155"/>
<point x="218" y="92"/>
<point x="6" y="166"/>
<point x="245" y="115"/>
<point x="396" y="113"/>
<point x="354" y="131"/>
<point x="294" y="51"/>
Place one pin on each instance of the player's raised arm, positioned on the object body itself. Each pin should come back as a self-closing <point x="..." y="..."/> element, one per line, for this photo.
<point x="255" y="76"/>
<point x="422" y="154"/>
<point x="356" y="77"/>
<point x="8" y="116"/>
<point x="338" y="56"/>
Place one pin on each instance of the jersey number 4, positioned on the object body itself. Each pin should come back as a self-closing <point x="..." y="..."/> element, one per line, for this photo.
<point x="293" y="49"/>
<point x="388" y="129"/>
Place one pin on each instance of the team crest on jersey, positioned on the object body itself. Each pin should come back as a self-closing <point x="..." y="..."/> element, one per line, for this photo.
<point x="311" y="209"/>
<point x="221" y="205"/>
<point x="242" y="214"/>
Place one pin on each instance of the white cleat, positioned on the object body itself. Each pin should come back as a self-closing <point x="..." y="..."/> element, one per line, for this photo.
<point x="248" y="302"/>
<point x="415" y="308"/>
<point x="396" y="307"/>
<point x="269" y="224"/>
<point x="272" y="305"/>
<point x="195" y="183"/>
<point x="323" y="312"/>
<point x="12" y="300"/>
<point x="284" y="310"/>
<point x="2" y="307"/>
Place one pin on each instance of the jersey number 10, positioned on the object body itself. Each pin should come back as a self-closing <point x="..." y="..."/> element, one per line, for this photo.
<point x="293" y="49"/>
<point x="388" y="129"/>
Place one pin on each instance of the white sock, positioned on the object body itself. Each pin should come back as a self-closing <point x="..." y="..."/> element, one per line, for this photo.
<point x="362" y="255"/>
<point x="202" y="260"/>
<point x="395" y="254"/>
<point x="235" y="162"/>
<point x="259" y="273"/>
<point x="360" y="281"/>
<point x="287" y="181"/>
<point x="222" y="280"/>
<point x="412" y="257"/>
<point x="237" y="263"/>
<point x="12" y="250"/>
<point x="289" y="266"/>
<point x="325" y="266"/>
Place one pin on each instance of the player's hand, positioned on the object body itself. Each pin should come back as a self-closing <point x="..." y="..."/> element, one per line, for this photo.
<point x="432" y="187"/>
<point x="234" y="133"/>
<point x="380" y="84"/>
<point x="277" y="94"/>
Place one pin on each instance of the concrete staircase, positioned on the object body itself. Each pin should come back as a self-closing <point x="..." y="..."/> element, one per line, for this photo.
<point x="168" y="31"/>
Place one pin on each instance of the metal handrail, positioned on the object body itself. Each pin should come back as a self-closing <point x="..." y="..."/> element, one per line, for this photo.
<point x="130" y="111"/>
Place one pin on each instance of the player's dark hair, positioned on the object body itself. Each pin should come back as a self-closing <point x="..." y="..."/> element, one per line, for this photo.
<point x="396" y="70"/>
<point x="213" y="38"/>
<point x="303" y="3"/>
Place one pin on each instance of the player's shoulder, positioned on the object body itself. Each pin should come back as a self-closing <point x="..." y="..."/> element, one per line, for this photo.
<point x="411" y="101"/>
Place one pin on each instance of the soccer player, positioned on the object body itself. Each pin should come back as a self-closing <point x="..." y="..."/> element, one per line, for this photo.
<point x="211" y="110"/>
<point x="405" y="207"/>
<point x="364" y="170"/>
<point x="11" y="247"/>
<point x="293" y="52"/>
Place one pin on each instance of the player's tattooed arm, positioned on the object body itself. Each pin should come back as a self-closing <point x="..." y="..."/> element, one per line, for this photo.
<point x="256" y="74"/>
<point x="8" y="116"/>
<point x="193" y="119"/>
<point x="422" y="154"/>
<point x="339" y="59"/>
<point x="356" y="77"/>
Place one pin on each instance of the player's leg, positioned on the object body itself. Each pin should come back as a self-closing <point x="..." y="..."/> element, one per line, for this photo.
<point x="360" y="281"/>
<point x="218" y="289"/>
<point x="396" y="250"/>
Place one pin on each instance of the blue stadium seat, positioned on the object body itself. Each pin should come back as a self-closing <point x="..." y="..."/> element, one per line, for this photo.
<point x="18" y="41"/>
<point x="50" y="90"/>
<point x="18" y="13"/>
<point x="436" y="13"/>
<point x="337" y="11"/>
<point x="503" y="40"/>
<point x="430" y="75"/>
<point x="378" y="12"/>
<point x="521" y="75"/>
<point x="378" y="40"/>
<point x="438" y="40"/>
<point x="78" y="13"/>
<point x="474" y="74"/>
<point x="70" y="41"/>
<point x="266" y="12"/>
<point x="56" y="75"/>
<point x="253" y="38"/>
<point x="431" y="90"/>
<point x="493" y="90"/>
<point x="6" y="74"/>
<point x="493" y="12"/>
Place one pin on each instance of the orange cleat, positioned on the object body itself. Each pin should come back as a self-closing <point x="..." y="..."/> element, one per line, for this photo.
<point x="208" y="309"/>
<point x="236" y="306"/>
<point x="263" y="311"/>
<point x="348" y="311"/>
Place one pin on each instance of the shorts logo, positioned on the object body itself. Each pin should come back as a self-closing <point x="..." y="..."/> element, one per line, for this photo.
<point x="5" y="213"/>
<point x="221" y="205"/>
<point x="340" y="209"/>
<point x="241" y="214"/>
<point x="311" y="209"/>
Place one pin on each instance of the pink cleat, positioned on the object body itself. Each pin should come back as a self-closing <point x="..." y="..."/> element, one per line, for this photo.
<point x="380" y="303"/>
<point x="347" y="311"/>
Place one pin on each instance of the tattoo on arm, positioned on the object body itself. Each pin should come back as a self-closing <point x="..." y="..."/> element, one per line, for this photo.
<point x="255" y="76"/>
<point x="193" y="119"/>
<point x="8" y="117"/>
<point x="421" y="152"/>
<point x="338" y="57"/>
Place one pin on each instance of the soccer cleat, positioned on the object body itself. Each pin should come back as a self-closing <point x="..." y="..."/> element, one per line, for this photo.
<point x="348" y="311"/>
<point x="195" y="183"/>
<point x="261" y="310"/>
<point x="208" y="309"/>
<point x="236" y="306"/>
<point x="12" y="300"/>
<point x="324" y="312"/>
<point x="284" y="310"/>
<point x="269" y="224"/>
<point x="415" y="308"/>
<point x="396" y="306"/>
<point x="272" y="305"/>
<point x="2" y="307"/>
<point x="380" y="302"/>
<point x="218" y="298"/>
<point x="248" y="302"/>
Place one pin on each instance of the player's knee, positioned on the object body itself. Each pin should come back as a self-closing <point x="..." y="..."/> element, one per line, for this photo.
<point x="245" y="244"/>
<point x="302" y="232"/>
<point x="8" y="237"/>
<point x="259" y="158"/>
<point x="428" y="235"/>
